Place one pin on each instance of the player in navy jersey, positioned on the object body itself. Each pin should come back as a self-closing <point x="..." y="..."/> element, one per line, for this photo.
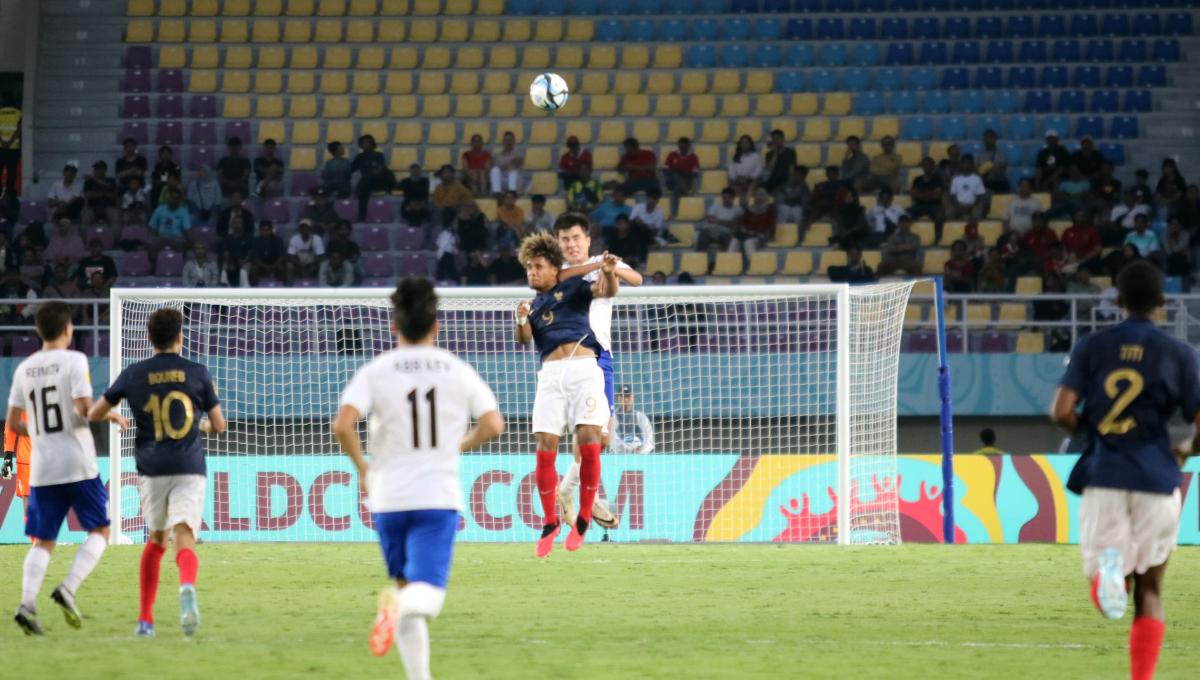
<point x="1130" y="380"/>
<point x="570" y="385"/>
<point x="168" y="395"/>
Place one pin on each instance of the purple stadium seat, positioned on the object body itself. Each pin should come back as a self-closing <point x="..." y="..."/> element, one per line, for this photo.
<point x="169" y="263"/>
<point x="105" y="234"/>
<point x="200" y="156"/>
<point x="277" y="211"/>
<point x="205" y="235"/>
<point x="381" y="211"/>
<point x="136" y="263"/>
<point x="374" y="239"/>
<point x="170" y="106"/>
<point x="203" y="106"/>
<point x="410" y="238"/>
<point x="138" y="131"/>
<point x="24" y="345"/>
<point x="135" y="106"/>
<point x="136" y="81"/>
<point x="239" y="129"/>
<point x="378" y="265"/>
<point x="303" y="183"/>
<point x="202" y="134"/>
<point x="33" y="211"/>
<point x="954" y="341"/>
<point x="170" y="80"/>
<point x="993" y="342"/>
<point x="139" y="56"/>
<point x="136" y="233"/>
<point x="414" y="264"/>
<point x="306" y="283"/>
<point x="922" y="342"/>
<point x="346" y="208"/>
<point x="169" y="133"/>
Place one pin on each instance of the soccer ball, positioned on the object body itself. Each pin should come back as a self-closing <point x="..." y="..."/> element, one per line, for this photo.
<point x="548" y="92"/>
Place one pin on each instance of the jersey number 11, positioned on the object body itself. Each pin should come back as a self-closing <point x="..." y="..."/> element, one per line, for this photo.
<point x="431" y="397"/>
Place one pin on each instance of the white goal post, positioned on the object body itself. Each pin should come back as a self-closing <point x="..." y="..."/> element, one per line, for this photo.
<point x="771" y="410"/>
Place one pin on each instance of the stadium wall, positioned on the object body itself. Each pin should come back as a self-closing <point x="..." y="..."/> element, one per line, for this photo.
<point x="712" y="497"/>
<point x="13" y="17"/>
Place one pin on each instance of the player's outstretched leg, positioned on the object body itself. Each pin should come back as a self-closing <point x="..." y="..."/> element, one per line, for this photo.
<point x="383" y="632"/>
<point x="32" y="575"/>
<point x="1149" y="623"/>
<point x="86" y="559"/>
<point x="1108" y="585"/>
<point x="418" y="603"/>
<point x="547" y="485"/>
<point x="567" y="488"/>
<point x="589" y="477"/>
<point x="185" y="559"/>
<point x="151" y="565"/>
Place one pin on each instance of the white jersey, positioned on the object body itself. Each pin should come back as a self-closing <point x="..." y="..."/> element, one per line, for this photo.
<point x="419" y="403"/>
<point x="600" y="313"/>
<point x="46" y="386"/>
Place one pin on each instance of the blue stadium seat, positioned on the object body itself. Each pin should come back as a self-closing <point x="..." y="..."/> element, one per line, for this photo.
<point x="1022" y="77"/>
<point x="1013" y="151"/>
<point x="824" y="80"/>
<point x="679" y="7"/>
<point x="1116" y="25"/>
<point x="862" y="29"/>
<point x="733" y="56"/>
<point x="936" y="101"/>
<point x="1020" y="26"/>
<point x="1004" y="101"/>
<point x="808" y="5"/>
<point x="936" y="5"/>
<point x="522" y="7"/>
<point x="744" y="6"/>
<point x="923" y="79"/>
<point x="838" y="6"/>
<point x="1105" y="101"/>
<point x="1118" y="76"/>
<point x="799" y="29"/>
<point x="932" y="52"/>
<point x="1152" y="76"/>
<point x="925" y="28"/>
<point x="1166" y="50"/>
<point x="970" y="101"/>
<point x="1022" y="127"/>
<point x="989" y="77"/>
<point x="956" y="79"/>
<point x="832" y="54"/>
<point x="965" y="52"/>
<point x="856" y="80"/>
<point x="1173" y="285"/>
<point x="777" y="6"/>
<point x="1138" y="101"/>
<point x="902" y="102"/>
<point x="767" y="56"/>
<point x="893" y="28"/>
<point x="873" y="5"/>
<point x="580" y="7"/>
<point x="609" y="30"/>
<point x="1036" y="101"/>
<point x="1053" y="77"/>
<point x="700" y="56"/>
<point x="800" y="55"/>
<point x="1065" y="50"/>
<point x="1132" y="50"/>
<point x="705" y="30"/>
<point x="650" y="6"/>
<point x="1089" y="126"/>
<point x="999" y="52"/>
<point x="866" y="54"/>
<point x="989" y="28"/>
<point x="957" y="28"/>
<point x="735" y="29"/>
<point x="642" y="30"/>
<point x="978" y="124"/>
<point x="1032" y="52"/>
<point x="899" y="54"/>
<point x="953" y="127"/>
<point x="1084" y="26"/>
<point x="673" y="30"/>
<point x="1113" y="152"/>
<point x="1178" y="23"/>
<point x="711" y="6"/>
<point x="1147" y="24"/>
<point x="916" y="128"/>
<point x="1095" y="4"/>
<point x="1063" y="4"/>
<point x="969" y="5"/>
<point x="615" y="7"/>
<point x="768" y="29"/>
<point x="1071" y="101"/>
<point x="1060" y="124"/>
<point x="1086" y="76"/>
<point x="969" y="148"/>
<point x="890" y="79"/>
<point x="831" y="29"/>
<point x="789" y="81"/>
<point x="1052" y="26"/>
<point x="1099" y="50"/>
<point x="868" y="104"/>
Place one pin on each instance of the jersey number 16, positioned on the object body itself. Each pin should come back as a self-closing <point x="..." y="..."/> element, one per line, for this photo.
<point x="52" y="420"/>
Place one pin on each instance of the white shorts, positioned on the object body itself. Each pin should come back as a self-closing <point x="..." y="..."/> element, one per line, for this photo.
<point x="570" y="392"/>
<point x="172" y="499"/>
<point x="1143" y="526"/>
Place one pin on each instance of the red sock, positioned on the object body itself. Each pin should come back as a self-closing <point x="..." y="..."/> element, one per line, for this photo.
<point x="1095" y="593"/>
<point x="151" y="561"/>
<point x="589" y="478"/>
<point x="547" y="485"/>
<point x="188" y="565"/>
<point x="1145" y="639"/>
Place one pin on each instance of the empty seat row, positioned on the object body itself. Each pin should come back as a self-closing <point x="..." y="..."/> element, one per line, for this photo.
<point x="309" y="8"/>
<point x="1083" y="25"/>
<point x="954" y="78"/>
<point x="874" y="103"/>
<point x="268" y="31"/>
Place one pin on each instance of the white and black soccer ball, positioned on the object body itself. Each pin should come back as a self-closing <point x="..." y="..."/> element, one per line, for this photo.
<point x="548" y="92"/>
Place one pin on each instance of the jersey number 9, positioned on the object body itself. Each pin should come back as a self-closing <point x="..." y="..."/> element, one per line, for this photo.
<point x="160" y="410"/>
<point x="1112" y="422"/>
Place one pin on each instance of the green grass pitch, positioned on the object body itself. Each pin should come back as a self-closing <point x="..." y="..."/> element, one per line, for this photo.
<point x="612" y="611"/>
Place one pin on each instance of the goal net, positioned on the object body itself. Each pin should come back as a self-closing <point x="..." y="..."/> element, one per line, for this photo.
<point x="771" y="411"/>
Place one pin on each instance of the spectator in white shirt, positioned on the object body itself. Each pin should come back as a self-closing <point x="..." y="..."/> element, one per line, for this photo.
<point x="538" y="219"/>
<point x="66" y="196"/>
<point x="746" y="168"/>
<point x="1018" y="217"/>
<point x="650" y="215"/>
<point x="305" y="251"/>
<point x="336" y="272"/>
<point x="722" y="220"/>
<point x="507" y="163"/>
<point x="1125" y="214"/>
<point x="201" y="271"/>
<point x="633" y="431"/>
<point x="883" y="218"/>
<point x="447" y="255"/>
<point x="968" y="196"/>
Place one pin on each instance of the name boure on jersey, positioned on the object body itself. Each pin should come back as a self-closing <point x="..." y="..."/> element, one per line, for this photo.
<point x="560" y="316"/>
<point x="167" y="395"/>
<point x="46" y="386"/>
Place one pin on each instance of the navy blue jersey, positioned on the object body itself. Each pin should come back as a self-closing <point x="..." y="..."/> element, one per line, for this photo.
<point x="560" y="316"/>
<point x="1131" y="379"/>
<point x="167" y="395"/>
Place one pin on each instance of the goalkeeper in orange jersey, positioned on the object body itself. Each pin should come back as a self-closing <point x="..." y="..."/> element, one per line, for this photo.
<point x="17" y="446"/>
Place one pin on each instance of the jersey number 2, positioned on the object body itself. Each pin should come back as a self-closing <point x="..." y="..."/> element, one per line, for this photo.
<point x="160" y="410"/>
<point x="1112" y="422"/>
<point x="431" y="397"/>
<point x="50" y="424"/>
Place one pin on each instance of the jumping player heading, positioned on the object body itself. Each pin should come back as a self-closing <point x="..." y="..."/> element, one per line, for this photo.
<point x="570" y="384"/>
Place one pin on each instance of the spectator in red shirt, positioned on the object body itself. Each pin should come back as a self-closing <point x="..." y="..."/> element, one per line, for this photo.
<point x="1037" y="241"/>
<point x="682" y="172"/>
<point x="1081" y="244"/>
<point x="1057" y="262"/>
<point x="759" y="218"/>
<point x="476" y="162"/>
<point x="571" y="163"/>
<point x="640" y="168"/>
<point x="959" y="269"/>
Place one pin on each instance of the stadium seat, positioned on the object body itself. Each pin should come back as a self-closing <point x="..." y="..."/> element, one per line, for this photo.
<point x="925" y="29"/>
<point x="999" y="52"/>
<point x="1037" y="101"/>
<point x="902" y="102"/>
<point x="989" y="77"/>
<point x="923" y="79"/>
<point x="1031" y="343"/>
<point x="1090" y="126"/>
<point x="1124" y="127"/>
<point x="1065" y="51"/>
<point x="1165" y="50"/>
<point x="1132" y="51"/>
<point x="1032" y="51"/>
<point x="800" y="262"/>
<point x="1137" y="101"/>
<point x="1083" y="26"/>
<point x="1021" y="77"/>
<point x="1178" y="23"/>
<point x="933" y="53"/>
<point x="832" y="54"/>
<point x="893" y="28"/>
<point x="1053" y="77"/>
<point x="917" y="128"/>
<point x="1071" y="101"/>
<point x="936" y="101"/>
<point x="1099" y="50"/>
<point x="1152" y="76"/>
<point x="989" y="28"/>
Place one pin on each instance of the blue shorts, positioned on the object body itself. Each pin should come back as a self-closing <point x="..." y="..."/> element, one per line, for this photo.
<point x="606" y="367"/>
<point x="418" y="544"/>
<point x="48" y="506"/>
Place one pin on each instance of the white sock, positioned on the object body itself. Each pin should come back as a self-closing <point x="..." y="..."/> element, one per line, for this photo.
<point x="85" y="561"/>
<point x="36" y="562"/>
<point x="412" y="641"/>
<point x="570" y="481"/>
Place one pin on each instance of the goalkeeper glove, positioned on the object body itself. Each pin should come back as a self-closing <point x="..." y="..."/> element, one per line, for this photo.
<point x="6" y="471"/>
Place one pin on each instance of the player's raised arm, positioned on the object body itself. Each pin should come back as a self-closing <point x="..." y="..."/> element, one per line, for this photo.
<point x="607" y="285"/>
<point x="522" y="331"/>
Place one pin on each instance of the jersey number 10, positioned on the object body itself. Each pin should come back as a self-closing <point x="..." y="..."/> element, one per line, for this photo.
<point x="160" y="410"/>
<point x="431" y="397"/>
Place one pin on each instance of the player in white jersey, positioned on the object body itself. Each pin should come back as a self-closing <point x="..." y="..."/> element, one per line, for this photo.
<point x="574" y="237"/>
<point x="54" y="387"/>
<point x="419" y="402"/>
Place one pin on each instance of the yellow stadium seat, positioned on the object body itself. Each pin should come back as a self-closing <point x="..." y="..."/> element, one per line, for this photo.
<point x="913" y="314"/>
<point x="852" y="126"/>
<point x="627" y="83"/>
<point x="305" y="57"/>
<point x="487" y="206"/>
<point x="935" y="260"/>
<point x="268" y="107"/>
<point x="979" y="313"/>
<point x="268" y="82"/>
<point x="611" y="132"/>
<point x="139" y="31"/>
<point x="681" y="128"/>
<point x="232" y="31"/>
<point x="885" y="126"/>
<point x="580" y="129"/>
<point x="925" y="231"/>
<point x="328" y="31"/>
<point x="303" y="158"/>
<point x="691" y="209"/>
<point x="268" y="8"/>
<point x="294" y="31"/>
<point x="695" y="264"/>
<point x="426" y="8"/>
<point x="431" y="83"/>
<point x="870" y="149"/>
<point x="338" y="58"/>
<point x="543" y="183"/>
<point x="768" y="105"/>
<point x="378" y="129"/>
<point x="635" y="57"/>
<point x="464" y="82"/>
<point x="735" y="107"/>
<point x="171" y="31"/>
<point x="274" y="130"/>
<point x="727" y="264"/>
<point x="204" y="8"/>
<point x="661" y="83"/>
<point x="205" y="31"/>
<point x="172" y="8"/>
<point x="667" y="106"/>
<point x="937" y="150"/>
<point x="647" y="131"/>
<point x="469" y="58"/>
<point x="393" y="7"/>
<point x="990" y="230"/>
<point x="702" y="106"/>
<point x="139" y="8"/>
<point x="392" y="31"/>
<point x="872" y="258"/>
<point x="265" y="31"/>
<point x="1029" y="285"/>
<point x="435" y="106"/>
<point x="953" y="310"/>
<point x="336" y="106"/>
<point x="301" y="82"/>
<point x="818" y="235"/>
<point x="468" y="107"/>
<point x="436" y="58"/>
<point x="548" y="30"/>
<point x="836" y="104"/>
<point x="708" y="155"/>
<point x="786" y="235"/>
<point x="537" y="57"/>
<point x="804" y="104"/>
<point x="503" y="57"/>
<point x="714" y="131"/>
<point x="668" y="57"/>
<point x="361" y="31"/>
<point x="1013" y="313"/>
<point x="952" y="231"/>
<point x="594" y="82"/>
<point x="371" y="58"/>
<point x="402" y="107"/>
<point x="402" y="157"/>
<point x="302" y="107"/>
<point x="602" y="56"/>
<point x="243" y="57"/>
<point x="660" y="262"/>
<point x="408" y="132"/>
<point x="236" y="107"/>
<point x="763" y="263"/>
<point x="539" y="158"/>
<point x="910" y="153"/>
<point x="334" y="82"/>
<point x="176" y="57"/>
<point x="748" y="127"/>
<point x="685" y="234"/>
<point x="999" y="207"/>
<point x="785" y="125"/>
<point x="713" y="181"/>
<point x="1031" y="343"/>
<point x="693" y="82"/>
<point x="300" y="8"/>
<point x="331" y="8"/>
<point x="457" y="7"/>
<point x="306" y="132"/>
<point x="1059" y="226"/>
<point x="758" y="82"/>
<point x="567" y="57"/>
<point x="808" y="155"/>
<point x="817" y="130"/>
<point x="602" y="106"/>
<point x="517" y="31"/>
<point x="635" y="105"/>
<point x="404" y="59"/>
<point x="455" y="30"/>
<point x="726" y="81"/>
<point x="579" y="30"/>
<point x="202" y="81"/>
<point x="798" y="263"/>
<point x="831" y="258"/>
<point x="502" y="107"/>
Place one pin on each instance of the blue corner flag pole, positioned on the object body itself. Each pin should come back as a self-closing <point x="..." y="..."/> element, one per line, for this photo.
<point x="947" y="416"/>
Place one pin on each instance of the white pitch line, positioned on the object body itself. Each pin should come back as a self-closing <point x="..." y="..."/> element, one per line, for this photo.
<point x="969" y="644"/>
